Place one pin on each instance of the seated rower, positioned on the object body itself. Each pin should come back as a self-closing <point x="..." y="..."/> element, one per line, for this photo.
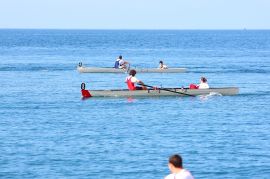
<point x="120" y="63"/>
<point x="131" y="80"/>
<point x="162" y="66"/>
<point x="203" y="84"/>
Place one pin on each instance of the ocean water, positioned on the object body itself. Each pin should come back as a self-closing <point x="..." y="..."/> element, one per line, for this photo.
<point x="48" y="131"/>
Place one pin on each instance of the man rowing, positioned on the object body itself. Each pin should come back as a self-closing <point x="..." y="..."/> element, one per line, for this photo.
<point x="162" y="65"/>
<point x="120" y="63"/>
<point x="131" y="80"/>
<point x="203" y="83"/>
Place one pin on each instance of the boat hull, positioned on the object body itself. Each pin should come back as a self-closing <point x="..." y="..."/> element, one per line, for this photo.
<point x="139" y="70"/>
<point x="159" y="92"/>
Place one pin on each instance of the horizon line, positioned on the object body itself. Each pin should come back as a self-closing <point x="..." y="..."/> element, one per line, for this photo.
<point x="129" y="29"/>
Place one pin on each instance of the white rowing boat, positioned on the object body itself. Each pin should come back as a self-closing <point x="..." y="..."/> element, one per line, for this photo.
<point x="158" y="92"/>
<point x="84" y="69"/>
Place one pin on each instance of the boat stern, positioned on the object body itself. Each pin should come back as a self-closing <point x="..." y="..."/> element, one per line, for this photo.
<point x="85" y="93"/>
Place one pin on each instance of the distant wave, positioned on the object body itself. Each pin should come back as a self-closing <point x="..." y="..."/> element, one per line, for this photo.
<point x="263" y="71"/>
<point x="37" y="68"/>
<point x="260" y="93"/>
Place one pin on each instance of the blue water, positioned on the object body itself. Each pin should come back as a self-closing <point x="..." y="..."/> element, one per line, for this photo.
<point x="48" y="131"/>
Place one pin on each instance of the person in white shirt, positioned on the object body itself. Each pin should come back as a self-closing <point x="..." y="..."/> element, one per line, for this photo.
<point x="203" y="84"/>
<point x="162" y="66"/>
<point x="120" y="63"/>
<point x="176" y="167"/>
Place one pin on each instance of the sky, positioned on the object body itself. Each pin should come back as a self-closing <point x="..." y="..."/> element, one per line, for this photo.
<point x="135" y="14"/>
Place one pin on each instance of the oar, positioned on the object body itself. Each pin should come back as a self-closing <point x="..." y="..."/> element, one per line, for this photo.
<point x="166" y="89"/>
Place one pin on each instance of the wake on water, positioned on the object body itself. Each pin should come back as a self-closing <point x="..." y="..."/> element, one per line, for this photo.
<point x="209" y="96"/>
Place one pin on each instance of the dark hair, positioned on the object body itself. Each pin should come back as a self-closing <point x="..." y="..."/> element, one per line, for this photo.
<point x="161" y="62"/>
<point x="120" y="57"/>
<point x="132" y="72"/>
<point x="176" y="161"/>
<point x="204" y="79"/>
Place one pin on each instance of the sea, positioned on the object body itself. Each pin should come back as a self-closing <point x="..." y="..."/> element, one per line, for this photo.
<point x="48" y="131"/>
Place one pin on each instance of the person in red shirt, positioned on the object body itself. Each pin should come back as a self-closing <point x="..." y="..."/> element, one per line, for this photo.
<point x="131" y="80"/>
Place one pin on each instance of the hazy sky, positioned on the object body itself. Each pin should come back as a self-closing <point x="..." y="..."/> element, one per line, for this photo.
<point x="135" y="14"/>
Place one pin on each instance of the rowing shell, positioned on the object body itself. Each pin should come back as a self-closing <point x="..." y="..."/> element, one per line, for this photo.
<point x="159" y="92"/>
<point x="83" y="69"/>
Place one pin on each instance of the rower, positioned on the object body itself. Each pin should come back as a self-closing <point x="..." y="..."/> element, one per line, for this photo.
<point x="131" y="80"/>
<point x="162" y="66"/>
<point x="120" y="63"/>
<point x="203" y="84"/>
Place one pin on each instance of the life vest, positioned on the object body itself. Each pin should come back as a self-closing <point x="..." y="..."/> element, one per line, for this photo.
<point x="193" y="86"/>
<point x="131" y="86"/>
